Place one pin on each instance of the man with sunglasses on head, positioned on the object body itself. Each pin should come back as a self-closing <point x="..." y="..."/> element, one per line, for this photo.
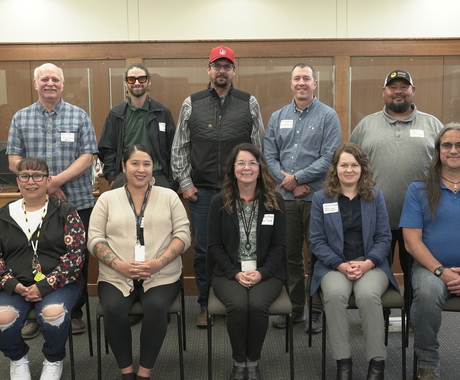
<point x="138" y="120"/>
<point x="63" y="136"/>
<point x="211" y="123"/>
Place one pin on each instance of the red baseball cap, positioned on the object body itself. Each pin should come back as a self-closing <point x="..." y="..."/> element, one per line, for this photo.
<point x="222" y="52"/>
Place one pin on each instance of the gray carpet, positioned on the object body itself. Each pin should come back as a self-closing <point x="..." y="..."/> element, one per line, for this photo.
<point x="275" y="361"/>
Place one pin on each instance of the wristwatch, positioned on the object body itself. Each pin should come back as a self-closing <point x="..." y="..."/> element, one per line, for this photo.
<point x="295" y="178"/>
<point x="438" y="271"/>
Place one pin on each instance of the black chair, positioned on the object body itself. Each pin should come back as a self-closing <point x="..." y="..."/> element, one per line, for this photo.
<point x="177" y="308"/>
<point x="281" y="306"/>
<point x="391" y="299"/>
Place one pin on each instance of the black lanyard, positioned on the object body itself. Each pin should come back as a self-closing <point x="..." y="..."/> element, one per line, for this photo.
<point x="247" y="224"/>
<point x="139" y="229"/>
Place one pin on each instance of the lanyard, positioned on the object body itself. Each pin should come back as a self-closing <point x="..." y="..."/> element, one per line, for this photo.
<point x="140" y="235"/>
<point x="35" y="262"/>
<point x="247" y="224"/>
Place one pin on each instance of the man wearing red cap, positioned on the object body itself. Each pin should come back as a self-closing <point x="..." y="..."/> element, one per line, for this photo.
<point x="211" y="123"/>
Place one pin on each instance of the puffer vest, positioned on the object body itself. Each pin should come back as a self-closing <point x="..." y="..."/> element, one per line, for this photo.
<point x="215" y="129"/>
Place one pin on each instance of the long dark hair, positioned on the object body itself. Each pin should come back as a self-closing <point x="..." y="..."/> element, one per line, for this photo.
<point x="134" y="148"/>
<point x="433" y="178"/>
<point x="33" y="163"/>
<point x="265" y="188"/>
<point x="365" y="183"/>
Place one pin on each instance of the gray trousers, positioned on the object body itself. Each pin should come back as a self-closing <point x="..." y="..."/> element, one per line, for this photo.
<point x="368" y="291"/>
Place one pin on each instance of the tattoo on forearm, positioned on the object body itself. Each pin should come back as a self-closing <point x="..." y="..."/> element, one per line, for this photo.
<point x="166" y="260"/>
<point x="105" y="254"/>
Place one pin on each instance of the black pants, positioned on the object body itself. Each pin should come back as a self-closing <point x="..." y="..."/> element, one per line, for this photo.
<point x="155" y="304"/>
<point x="247" y="313"/>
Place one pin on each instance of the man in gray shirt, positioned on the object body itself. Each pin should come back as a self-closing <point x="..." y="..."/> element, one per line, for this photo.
<point x="400" y="143"/>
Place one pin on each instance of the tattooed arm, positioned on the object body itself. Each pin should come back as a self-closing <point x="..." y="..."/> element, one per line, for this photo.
<point x="106" y="256"/>
<point x="175" y="248"/>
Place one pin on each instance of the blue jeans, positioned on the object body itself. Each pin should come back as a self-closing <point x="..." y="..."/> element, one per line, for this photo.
<point x="11" y="343"/>
<point x="430" y="294"/>
<point x="199" y="218"/>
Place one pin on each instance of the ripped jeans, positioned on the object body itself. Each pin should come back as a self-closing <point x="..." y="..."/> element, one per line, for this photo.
<point x="55" y="332"/>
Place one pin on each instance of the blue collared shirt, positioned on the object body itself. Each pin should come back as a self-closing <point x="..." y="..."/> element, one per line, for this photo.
<point x="58" y="137"/>
<point x="302" y="143"/>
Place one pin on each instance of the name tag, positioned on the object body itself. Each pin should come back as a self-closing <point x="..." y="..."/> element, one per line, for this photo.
<point x="139" y="253"/>
<point x="162" y="127"/>
<point x="268" y="219"/>
<point x="329" y="208"/>
<point x="248" y="265"/>
<point x="286" y="123"/>
<point x="142" y="222"/>
<point x="67" y="137"/>
<point x="417" y="133"/>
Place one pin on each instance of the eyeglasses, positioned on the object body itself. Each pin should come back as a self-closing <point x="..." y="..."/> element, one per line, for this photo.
<point x="218" y="67"/>
<point x="251" y="164"/>
<point x="37" y="177"/>
<point x="448" y="146"/>
<point x="141" y="79"/>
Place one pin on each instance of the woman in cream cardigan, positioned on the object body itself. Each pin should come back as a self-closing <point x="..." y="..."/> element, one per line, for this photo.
<point x="138" y="233"/>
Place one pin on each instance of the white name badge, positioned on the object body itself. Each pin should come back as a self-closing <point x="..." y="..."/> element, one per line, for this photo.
<point x="329" y="208"/>
<point x="286" y="123"/>
<point x="67" y="136"/>
<point x="248" y="265"/>
<point x="268" y="219"/>
<point x="142" y="222"/>
<point x="162" y="127"/>
<point x="417" y="133"/>
<point x="139" y="253"/>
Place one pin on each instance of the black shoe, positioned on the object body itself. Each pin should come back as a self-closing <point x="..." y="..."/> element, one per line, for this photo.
<point x="253" y="373"/>
<point x="238" y="373"/>
<point x="344" y="369"/>
<point x="376" y="369"/>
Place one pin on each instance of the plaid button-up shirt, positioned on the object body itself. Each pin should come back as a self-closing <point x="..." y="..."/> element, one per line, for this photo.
<point x="58" y="137"/>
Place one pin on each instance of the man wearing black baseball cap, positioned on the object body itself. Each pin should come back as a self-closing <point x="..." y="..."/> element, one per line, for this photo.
<point x="400" y="143"/>
<point x="211" y="123"/>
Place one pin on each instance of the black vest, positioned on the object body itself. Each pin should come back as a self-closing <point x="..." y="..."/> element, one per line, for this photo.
<point x="215" y="129"/>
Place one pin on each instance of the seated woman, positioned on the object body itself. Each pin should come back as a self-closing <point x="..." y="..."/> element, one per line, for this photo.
<point x="247" y="240"/>
<point x="350" y="235"/>
<point x="41" y="245"/>
<point x="138" y="233"/>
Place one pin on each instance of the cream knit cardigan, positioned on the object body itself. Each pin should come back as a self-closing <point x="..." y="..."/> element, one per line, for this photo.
<point x="113" y="222"/>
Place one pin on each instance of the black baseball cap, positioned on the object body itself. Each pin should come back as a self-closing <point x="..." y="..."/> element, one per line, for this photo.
<point x="398" y="74"/>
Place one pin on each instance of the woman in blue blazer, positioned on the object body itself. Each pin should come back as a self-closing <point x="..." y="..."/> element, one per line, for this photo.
<point x="247" y="241"/>
<point x="350" y="236"/>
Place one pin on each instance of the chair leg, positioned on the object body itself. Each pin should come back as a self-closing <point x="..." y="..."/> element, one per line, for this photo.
<point x="403" y="342"/>
<point x="209" y="347"/>
<point x="310" y="322"/>
<point x="71" y="354"/>
<point x="386" y="316"/>
<point x="99" y="350"/>
<point x="88" y="320"/>
<point x="323" y="349"/>
<point x="291" y="343"/>
<point x="181" y="350"/>
<point x="182" y="296"/>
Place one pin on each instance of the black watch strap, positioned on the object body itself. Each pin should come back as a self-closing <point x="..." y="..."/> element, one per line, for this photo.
<point x="438" y="271"/>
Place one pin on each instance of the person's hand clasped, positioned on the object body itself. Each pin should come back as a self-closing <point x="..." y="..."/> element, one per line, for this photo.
<point x="135" y="270"/>
<point x="249" y="278"/>
<point x="191" y="194"/>
<point x="453" y="280"/>
<point x="30" y="293"/>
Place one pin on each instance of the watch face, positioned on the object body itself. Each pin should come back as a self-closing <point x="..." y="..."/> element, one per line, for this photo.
<point x="438" y="271"/>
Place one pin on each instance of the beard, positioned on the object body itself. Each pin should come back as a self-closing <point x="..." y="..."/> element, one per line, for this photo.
<point x="399" y="108"/>
<point x="221" y="84"/>
<point x="138" y="91"/>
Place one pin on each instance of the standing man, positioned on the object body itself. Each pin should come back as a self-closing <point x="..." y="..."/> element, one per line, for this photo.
<point x="63" y="136"/>
<point x="138" y="120"/>
<point x="299" y="144"/>
<point x="211" y="123"/>
<point x="399" y="141"/>
<point x="430" y="224"/>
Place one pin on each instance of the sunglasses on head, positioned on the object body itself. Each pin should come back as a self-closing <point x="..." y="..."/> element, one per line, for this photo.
<point x="141" y="79"/>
